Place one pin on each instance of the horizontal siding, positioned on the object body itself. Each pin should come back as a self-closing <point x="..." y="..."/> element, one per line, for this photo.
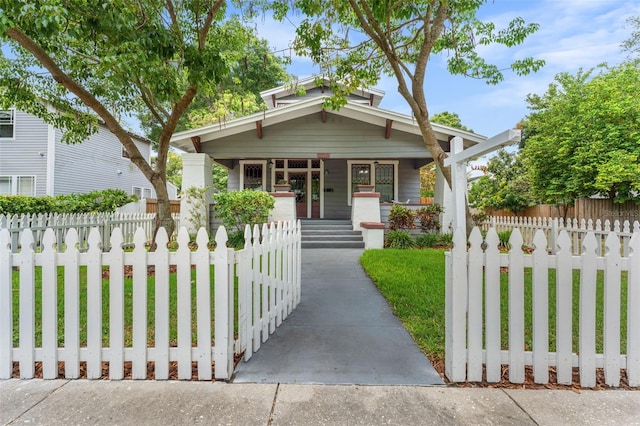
<point x="22" y="156"/>
<point x="304" y="137"/>
<point x="94" y="164"/>
<point x="408" y="182"/>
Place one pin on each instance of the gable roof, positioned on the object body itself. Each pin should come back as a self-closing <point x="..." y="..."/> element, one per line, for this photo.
<point x="364" y="113"/>
<point x="270" y="97"/>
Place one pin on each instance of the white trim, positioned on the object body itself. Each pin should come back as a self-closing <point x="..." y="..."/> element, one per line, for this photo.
<point x="51" y="160"/>
<point x="372" y="175"/>
<point x="13" y="182"/>
<point x="12" y="123"/>
<point x="264" y="172"/>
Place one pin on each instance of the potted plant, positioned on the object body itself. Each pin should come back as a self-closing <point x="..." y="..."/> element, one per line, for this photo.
<point x="282" y="186"/>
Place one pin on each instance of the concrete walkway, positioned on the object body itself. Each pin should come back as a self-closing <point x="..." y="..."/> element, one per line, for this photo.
<point x="342" y="332"/>
<point x="103" y="402"/>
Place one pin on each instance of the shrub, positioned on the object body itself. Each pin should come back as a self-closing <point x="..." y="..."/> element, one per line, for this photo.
<point x="236" y="240"/>
<point x="399" y="240"/>
<point x="446" y="239"/>
<point x="479" y="218"/>
<point x="503" y="239"/>
<point x="428" y="217"/>
<point x="93" y="202"/>
<point x="239" y="208"/>
<point x="401" y="217"/>
<point x="428" y="240"/>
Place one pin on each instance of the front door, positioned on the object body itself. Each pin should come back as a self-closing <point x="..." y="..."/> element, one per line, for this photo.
<point x="298" y="182"/>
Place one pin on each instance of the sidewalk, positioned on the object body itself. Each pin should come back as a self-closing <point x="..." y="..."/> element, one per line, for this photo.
<point x="101" y="402"/>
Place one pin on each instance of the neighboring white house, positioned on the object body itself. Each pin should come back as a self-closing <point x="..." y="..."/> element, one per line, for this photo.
<point x="324" y="154"/>
<point x="34" y="161"/>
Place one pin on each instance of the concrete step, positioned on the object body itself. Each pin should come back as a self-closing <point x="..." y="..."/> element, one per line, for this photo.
<point x="321" y="232"/>
<point x="331" y="244"/>
<point x="332" y="237"/>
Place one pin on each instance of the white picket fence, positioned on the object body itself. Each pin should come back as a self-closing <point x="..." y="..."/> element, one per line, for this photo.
<point x="266" y="273"/>
<point x="82" y="223"/>
<point x="577" y="230"/>
<point x="473" y="309"/>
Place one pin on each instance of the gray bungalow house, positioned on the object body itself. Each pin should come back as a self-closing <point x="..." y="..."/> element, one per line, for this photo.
<point x="34" y="162"/>
<point x="324" y="155"/>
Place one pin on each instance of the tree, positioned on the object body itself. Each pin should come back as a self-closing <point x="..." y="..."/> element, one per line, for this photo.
<point x="450" y="119"/>
<point x="503" y="186"/>
<point x="632" y="44"/>
<point x="583" y="136"/>
<point x="398" y="38"/>
<point x="74" y="62"/>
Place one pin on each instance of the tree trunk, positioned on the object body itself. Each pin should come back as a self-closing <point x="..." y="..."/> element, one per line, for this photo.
<point x="163" y="217"/>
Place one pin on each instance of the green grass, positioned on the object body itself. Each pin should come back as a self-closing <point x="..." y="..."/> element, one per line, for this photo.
<point x="413" y="282"/>
<point x="128" y="309"/>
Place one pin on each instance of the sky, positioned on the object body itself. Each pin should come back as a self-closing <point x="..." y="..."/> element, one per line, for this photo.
<point x="573" y="34"/>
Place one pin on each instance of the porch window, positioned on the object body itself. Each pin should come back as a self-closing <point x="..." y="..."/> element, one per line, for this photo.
<point x="141" y="192"/>
<point x="7" y="124"/>
<point x="18" y="185"/>
<point x="252" y="175"/>
<point x="382" y="174"/>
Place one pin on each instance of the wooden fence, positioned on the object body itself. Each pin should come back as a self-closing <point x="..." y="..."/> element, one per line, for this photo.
<point x="152" y="205"/>
<point x="82" y="223"/>
<point x="473" y="309"/>
<point x="577" y="230"/>
<point x="267" y="272"/>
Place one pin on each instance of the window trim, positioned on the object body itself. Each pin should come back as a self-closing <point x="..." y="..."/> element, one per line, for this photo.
<point x="13" y="124"/>
<point x="264" y="172"/>
<point x="372" y="175"/>
<point x="13" y="184"/>
<point x="142" y="191"/>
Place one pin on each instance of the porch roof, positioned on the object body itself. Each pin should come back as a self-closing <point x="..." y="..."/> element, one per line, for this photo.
<point x="192" y="140"/>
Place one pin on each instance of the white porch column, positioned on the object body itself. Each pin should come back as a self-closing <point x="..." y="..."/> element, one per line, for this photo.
<point x="365" y="207"/>
<point x="196" y="172"/>
<point x="443" y="196"/>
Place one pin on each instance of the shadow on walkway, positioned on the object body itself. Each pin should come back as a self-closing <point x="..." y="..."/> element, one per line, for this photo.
<point x="342" y="332"/>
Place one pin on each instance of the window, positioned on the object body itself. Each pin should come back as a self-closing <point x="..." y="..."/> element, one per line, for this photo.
<point x="382" y="174"/>
<point x="141" y="192"/>
<point x="7" y="124"/>
<point x="252" y="175"/>
<point x="18" y="185"/>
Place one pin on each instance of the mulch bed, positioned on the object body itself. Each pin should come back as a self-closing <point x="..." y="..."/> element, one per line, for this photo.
<point x="529" y="383"/>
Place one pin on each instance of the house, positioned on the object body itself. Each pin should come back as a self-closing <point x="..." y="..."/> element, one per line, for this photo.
<point x="324" y="155"/>
<point x="34" y="161"/>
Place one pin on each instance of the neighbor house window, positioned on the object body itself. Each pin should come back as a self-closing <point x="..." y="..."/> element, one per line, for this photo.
<point x="141" y="192"/>
<point x="253" y="175"/>
<point x="382" y="174"/>
<point x="7" y="124"/>
<point x="18" y="185"/>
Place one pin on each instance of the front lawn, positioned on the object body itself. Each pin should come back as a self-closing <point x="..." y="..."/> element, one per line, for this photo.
<point x="413" y="283"/>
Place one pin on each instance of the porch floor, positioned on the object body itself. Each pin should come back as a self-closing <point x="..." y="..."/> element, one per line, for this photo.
<point x="342" y="332"/>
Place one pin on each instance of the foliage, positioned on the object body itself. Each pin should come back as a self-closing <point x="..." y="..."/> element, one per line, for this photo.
<point x="504" y="185"/>
<point x="428" y="217"/>
<point x="428" y="240"/>
<point x="583" y="136"/>
<point x="236" y="240"/>
<point x="174" y="173"/>
<point x="450" y="119"/>
<point x="93" y="202"/>
<point x="73" y="63"/>
<point x="446" y="239"/>
<point x="401" y="217"/>
<point x="239" y="208"/>
<point x="479" y="218"/>
<point x="196" y="201"/>
<point x="398" y="38"/>
<point x="632" y="44"/>
<point x="503" y="239"/>
<point x="428" y="180"/>
<point x="399" y="240"/>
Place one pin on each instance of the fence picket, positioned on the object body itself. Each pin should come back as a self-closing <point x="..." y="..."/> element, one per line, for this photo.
<point x="71" y="258"/>
<point x="492" y="307"/>
<point x="116" y="306"/>
<point x="6" y="305"/>
<point x="223" y="309"/>
<point x="273" y="278"/>
<point x="588" y="312"/>
<point x="203" y="297"/>
<point x="516" y="308"/>
<point x="266" y="282"/>
<point x="139" y="262"/>
<point x="633" y="313"/>
<point x="161" y="264"/>
<point x="94" y="305"/>
<point x="26" y="262"/>
<point x="184" y="292"/>
<point x="456" y="290"/>
<point x="258" y="262"/>
<point x="564" y="304"/>
<point x="474" y="313"/>
<point x="244" y="295"/>
<point x="612" y="311"/>
<point x="540" y="283"/>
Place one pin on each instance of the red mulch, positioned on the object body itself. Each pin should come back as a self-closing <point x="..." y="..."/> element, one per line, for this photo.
<point x="529" y="383"/>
